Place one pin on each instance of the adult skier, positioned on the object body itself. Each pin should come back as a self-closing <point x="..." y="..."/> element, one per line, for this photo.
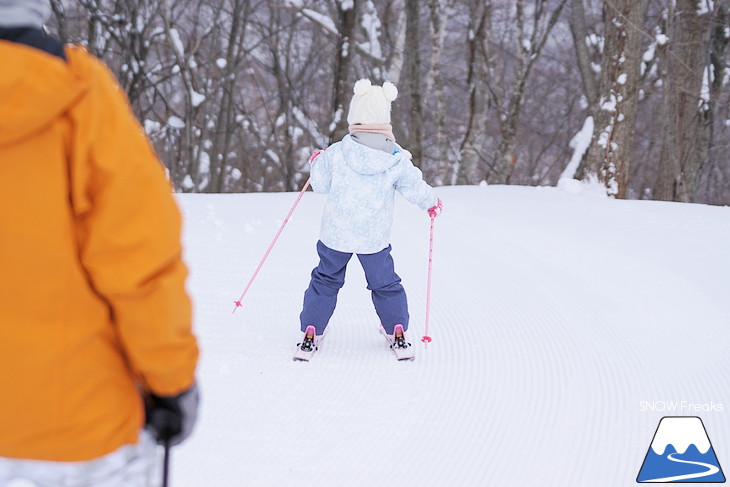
<point x="94" y="316"/>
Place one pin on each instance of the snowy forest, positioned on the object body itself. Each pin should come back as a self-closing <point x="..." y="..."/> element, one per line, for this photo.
<point x="235" y="95"/>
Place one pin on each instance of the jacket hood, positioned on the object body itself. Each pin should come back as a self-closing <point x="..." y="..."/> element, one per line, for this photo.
<point x="36" y="88"/>
<point x="365" y="160"/>
<point x="31" y="13"/>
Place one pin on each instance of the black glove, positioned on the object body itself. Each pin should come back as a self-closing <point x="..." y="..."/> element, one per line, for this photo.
<point x="171" y="418"/>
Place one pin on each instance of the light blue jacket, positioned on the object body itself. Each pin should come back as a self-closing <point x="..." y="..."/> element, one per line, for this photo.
<point x="361" y="183"/>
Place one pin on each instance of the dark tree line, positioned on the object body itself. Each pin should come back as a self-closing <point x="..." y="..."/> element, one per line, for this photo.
<point x="632" y="95"/>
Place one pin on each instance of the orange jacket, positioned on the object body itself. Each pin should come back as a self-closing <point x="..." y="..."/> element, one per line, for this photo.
<point x="92" y="300"/>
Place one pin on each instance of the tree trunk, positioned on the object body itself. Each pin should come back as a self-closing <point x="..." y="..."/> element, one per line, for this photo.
<point x="412" y="82"/>
<point x="189" y="153"/>
<point x="395" y="66"/>
<point x="720" y="37"/>
<point x="529" y="49"/>
<point x="580" y="34"/>
<point x="611" y="149"/>
<point x="344" y="74"/>
<point x="225" y="121"/>
<point x="577" y="22"/>
<point x="684" y="149"/>
<point x="438" y="30"/>
<point x="479" y="95"/>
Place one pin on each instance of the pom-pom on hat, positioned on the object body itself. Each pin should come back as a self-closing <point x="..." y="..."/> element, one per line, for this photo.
<point x="371" y="104"/>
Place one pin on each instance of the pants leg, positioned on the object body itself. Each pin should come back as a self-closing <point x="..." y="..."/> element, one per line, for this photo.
<point x="320" y="298"/>
<point x="130" y="466"/>
<point x="388" y="294"/>
<point x="5" y="471"/>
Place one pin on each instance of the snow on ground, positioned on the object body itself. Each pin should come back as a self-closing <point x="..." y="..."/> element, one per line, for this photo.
<point x="558" y="321"/>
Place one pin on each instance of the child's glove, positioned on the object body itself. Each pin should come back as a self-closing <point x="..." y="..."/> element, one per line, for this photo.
<point x="314" y="155"/>
<point x="436" y="210"/>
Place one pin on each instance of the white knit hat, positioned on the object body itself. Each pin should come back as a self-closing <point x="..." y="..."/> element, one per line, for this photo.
<point x="371" y="104"/>
<point x="24" y="13"/>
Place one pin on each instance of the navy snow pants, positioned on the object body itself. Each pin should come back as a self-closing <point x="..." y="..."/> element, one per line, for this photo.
<point x="328" y="277"/>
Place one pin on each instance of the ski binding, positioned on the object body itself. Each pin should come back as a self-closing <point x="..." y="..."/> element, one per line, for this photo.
<point x="401" y="348"/>
<point x="309" y="345"/>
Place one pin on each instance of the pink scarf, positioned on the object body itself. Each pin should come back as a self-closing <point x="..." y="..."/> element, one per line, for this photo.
<point x="374" y="128"/>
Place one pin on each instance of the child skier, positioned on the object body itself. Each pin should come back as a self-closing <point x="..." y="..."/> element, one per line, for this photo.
<point x="361" y="174"/>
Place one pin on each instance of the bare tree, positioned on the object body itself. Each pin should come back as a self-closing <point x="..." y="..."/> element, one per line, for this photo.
<point x="683" y="154"/>
<point x="235" y="94"/>
<point x="472" y="149"/>
<point x="438" y="16"/>
<point x="611" y="149"/>
<point x="719" y="55"/>
<point x="531" y="41"/>
<point x="344" y="73"/>
<point x="579" y="32"/>
<point x="224" y="124"/>
<point x="411" y="82"/>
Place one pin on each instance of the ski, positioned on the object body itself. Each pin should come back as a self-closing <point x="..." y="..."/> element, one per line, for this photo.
<point x="308" y="346"/>
<point x="401" y="348"/>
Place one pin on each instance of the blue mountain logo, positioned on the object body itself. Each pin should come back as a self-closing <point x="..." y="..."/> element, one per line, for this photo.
<point x="680" y="452"/>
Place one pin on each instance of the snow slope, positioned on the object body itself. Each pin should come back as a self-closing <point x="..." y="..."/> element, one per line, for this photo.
<point x="557" y="319"/>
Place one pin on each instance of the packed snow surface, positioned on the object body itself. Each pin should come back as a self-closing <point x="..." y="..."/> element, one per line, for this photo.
<point x="565" y="326"/>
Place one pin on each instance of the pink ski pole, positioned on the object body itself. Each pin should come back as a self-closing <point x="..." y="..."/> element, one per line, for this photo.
<point x="271" y="246"/>
<point x="426" y="339"/>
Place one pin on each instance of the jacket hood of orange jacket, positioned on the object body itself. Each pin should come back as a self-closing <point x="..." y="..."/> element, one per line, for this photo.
<point x="35" y="92"/>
